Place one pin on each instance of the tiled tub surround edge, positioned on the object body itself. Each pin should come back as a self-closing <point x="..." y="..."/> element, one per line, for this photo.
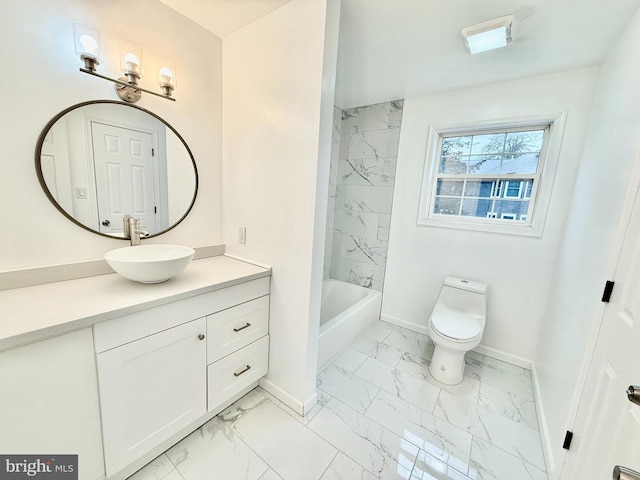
<point x="361" y="192"/>
<point x="39" y="312"/>
<point x="29" y="277"/>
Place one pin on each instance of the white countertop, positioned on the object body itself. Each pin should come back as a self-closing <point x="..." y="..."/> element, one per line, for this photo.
<point x="32" y="314"/>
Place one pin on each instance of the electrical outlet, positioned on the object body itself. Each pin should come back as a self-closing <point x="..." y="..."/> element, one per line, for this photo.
<point x="242" y="235"/>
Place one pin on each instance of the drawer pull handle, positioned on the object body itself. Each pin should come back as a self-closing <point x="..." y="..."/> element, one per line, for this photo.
<point x="243" y="371"/>
<point x="242" y="328"/>
<point x="201" y="336"/>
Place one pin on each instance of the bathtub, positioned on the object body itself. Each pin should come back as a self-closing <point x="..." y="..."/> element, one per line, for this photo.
<point x="346" y="311"/>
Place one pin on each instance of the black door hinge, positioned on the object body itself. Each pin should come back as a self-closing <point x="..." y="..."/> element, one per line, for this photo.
<point x="155" y="209"/>
<point x="567" y="440"/>
<point x="608" y="288"/>
<point x="153" y="152"/>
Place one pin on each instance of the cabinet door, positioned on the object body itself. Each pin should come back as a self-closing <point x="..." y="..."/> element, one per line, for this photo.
<point x="149" y="390"/>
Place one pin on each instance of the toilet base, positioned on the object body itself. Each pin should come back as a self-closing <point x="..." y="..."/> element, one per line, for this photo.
<point x="447" y="366"/>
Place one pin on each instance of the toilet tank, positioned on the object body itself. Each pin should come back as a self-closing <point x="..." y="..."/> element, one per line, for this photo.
<point x="464" y="295"/>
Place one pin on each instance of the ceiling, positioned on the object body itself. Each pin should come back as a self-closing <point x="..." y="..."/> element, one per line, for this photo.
<point x="223" y="17"/>
<point x="392" y="49"/>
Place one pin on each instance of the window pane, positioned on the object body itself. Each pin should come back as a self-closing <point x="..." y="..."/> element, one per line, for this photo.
<point x="527" y="189"/>
<point x="455" y="146"/>
<point x="513" y="189"/>
<point x="490" y="143"/>
<point x="484" y="164"/>
<point x="511" y="209"/>
<point x="453" y="165"/>
<point x="522" y="142"/>
<point x="478" y="188"/>
<point x="452" y="188"/>
<point x="475" y="207"/>
<point x="527" y="163"/>
<point x="447" y="206"/>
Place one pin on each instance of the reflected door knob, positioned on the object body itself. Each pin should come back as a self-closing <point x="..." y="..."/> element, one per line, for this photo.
<point x="106" y="223"/>
<point x="633" y="394"/>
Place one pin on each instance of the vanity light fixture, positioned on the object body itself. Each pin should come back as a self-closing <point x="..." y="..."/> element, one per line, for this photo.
<point x="489" y="35"/>
<point x="166" y="74"/>
<point x="87" y="44"/>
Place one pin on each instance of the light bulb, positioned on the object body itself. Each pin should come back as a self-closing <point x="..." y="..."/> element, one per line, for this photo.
<point x="89" y="44"/>
<point x="131" y="61"/>
<point x="166" y="76"/>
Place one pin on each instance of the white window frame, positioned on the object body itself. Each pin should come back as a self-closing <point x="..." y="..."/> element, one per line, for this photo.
<point x="533" y="223"/>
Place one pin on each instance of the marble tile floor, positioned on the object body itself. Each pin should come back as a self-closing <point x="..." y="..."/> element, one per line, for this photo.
<point x="379" y="415"/>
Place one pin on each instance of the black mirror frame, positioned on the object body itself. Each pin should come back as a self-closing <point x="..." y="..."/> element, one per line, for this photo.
<point x="43" y="184"/>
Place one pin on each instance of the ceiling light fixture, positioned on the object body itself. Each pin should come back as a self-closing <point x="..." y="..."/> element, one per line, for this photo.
<point x="87" y="44"/>
<point x="489" y="35"/>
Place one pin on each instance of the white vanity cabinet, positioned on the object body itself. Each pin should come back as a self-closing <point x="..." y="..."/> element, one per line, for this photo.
<point x="149" y="390"/>
<point x="49" y="401"/>
<point x="164" y="371"/>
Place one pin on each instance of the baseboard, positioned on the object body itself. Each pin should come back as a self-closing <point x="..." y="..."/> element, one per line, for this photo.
<point x="542" y="422"/>
<point x="504" y="356"/>
<point x="416" y="327"/>
<point x="293" y="403"/>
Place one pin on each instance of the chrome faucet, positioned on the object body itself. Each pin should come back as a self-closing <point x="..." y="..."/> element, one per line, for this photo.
<point x="132" y="230"/>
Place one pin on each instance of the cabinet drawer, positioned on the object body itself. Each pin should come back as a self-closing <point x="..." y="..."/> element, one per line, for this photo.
<point x="230" y="375"/>
<point x="236" y="327"/>
<point x="128" y="328"/>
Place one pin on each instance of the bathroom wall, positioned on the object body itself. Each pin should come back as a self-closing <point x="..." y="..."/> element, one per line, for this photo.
<point x="279" y="79"/>
<point x="517" y="269"/>
<point x="361" y="192"/>
<point x="40" y="78"/>
<point x="585" y="258"/>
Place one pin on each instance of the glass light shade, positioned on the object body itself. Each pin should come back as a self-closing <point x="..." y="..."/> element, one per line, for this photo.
<point x="166" y="72"/>
<point x="131" y="58"/>
<point x="87" y="41"/>
<point x="488" y="35"/>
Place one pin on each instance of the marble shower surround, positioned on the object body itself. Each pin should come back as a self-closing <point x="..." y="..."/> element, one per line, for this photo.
<point x="361" y="192"/>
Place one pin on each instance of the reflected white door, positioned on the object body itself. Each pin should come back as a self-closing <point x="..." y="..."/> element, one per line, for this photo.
<point x="54" y="165"/>
<point x="607" y="428"/>
<point x="125" y="177"/>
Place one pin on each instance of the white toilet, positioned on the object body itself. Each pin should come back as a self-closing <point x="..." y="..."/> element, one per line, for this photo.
<point x="456" y="326"/>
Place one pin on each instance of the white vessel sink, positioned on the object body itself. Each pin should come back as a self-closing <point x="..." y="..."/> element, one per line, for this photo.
<point x="150" y="263"/>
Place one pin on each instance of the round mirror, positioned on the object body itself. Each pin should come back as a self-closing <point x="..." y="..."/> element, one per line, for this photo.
<point x="103" y="160"/>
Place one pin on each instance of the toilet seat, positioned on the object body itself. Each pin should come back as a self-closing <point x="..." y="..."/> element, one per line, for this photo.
<point x="455" y="325"/>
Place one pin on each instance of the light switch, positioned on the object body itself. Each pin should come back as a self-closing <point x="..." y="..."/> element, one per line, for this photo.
<point x="242" y="235"/>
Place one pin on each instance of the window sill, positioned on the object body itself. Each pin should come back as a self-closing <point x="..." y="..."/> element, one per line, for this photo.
<point x="504" y="228"/>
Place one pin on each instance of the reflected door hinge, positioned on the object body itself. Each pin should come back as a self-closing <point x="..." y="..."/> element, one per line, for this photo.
<point x="153" y="152"/>
<point x="567" y="440"/>
<point x="608" y="288"/>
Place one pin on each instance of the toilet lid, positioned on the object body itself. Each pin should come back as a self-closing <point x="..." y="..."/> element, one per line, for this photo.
<point x="455" y="325"/>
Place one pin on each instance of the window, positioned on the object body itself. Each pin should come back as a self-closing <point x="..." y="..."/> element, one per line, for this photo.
<point x="494" y="177"/>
